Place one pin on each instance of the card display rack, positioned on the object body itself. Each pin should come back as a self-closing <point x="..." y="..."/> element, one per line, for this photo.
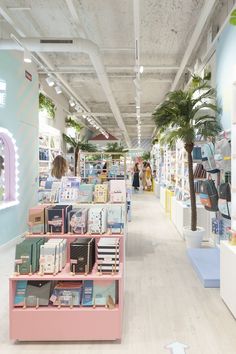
<point x="54" y="323"/>
<point x="49" y="148"/>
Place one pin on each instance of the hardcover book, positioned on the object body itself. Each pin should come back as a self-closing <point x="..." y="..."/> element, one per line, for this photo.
<point x="108" y="255"/>
<point x="117" y="191"/>
<point x="115" y="218"/>
<point x="82" y="255"/>
<point x="97" y="220"/>
<point x="67" y="293"/>
<point x="78" y="219"/>
<point x="86" y="193"/>
<point x="101" y="193"/>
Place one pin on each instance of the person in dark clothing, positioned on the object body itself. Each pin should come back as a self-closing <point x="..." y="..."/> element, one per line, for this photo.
<point x="136" y="177"/>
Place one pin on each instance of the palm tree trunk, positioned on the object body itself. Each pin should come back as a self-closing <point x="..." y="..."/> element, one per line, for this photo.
<point x="189" y="149"/>
<point x="76" y="160"/>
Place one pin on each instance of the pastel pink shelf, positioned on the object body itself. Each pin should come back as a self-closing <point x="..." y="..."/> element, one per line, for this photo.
<point x="73" y="236"/>
<point x="65" y="324"/>
<point x="65" y="274"/>
<point x="69" y="324"/>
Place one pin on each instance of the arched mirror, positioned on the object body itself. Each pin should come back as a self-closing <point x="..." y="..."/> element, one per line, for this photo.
<point x="8" y="170"/>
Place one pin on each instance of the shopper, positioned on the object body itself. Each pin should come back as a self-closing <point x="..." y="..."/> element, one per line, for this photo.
<point x="148" y="176"/>
<point x="143" y="175"/>
<point x="136" y="177"/>
<point x="59" y="167"/>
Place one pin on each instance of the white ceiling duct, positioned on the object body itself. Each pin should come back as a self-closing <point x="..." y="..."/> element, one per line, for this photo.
<point x="75" y="45"/>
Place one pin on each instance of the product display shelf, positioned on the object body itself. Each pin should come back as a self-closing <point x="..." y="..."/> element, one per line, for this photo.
<point x="53" y="323"/>
<point x="72" y="236"/>
<point x="67" y="275"/>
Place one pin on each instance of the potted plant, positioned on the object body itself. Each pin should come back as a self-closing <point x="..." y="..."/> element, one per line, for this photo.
<point x="188" y="115"/>
<point x="76" y="143"/>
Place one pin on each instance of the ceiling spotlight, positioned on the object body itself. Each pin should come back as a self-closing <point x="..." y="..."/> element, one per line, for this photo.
<point x="78" y="108"/>
<point x="71" y="102"/>
<point x="50" y="81"/>
<point x="27" y="56"/>
<point x="58" y="89"/>
<point x="84" y="116"/>
<point x="141" y="69"/>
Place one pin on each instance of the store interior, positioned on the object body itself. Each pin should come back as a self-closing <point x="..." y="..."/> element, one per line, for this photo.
<point x="117" y="176"/>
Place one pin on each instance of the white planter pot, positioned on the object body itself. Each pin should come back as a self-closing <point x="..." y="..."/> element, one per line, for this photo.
<point x="193" y="238"/>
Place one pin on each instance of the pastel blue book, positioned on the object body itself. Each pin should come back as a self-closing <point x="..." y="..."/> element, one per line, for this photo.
<point x="86" y="193"/>
<point x="87" y="293"/>
<point x="21" y="286"/>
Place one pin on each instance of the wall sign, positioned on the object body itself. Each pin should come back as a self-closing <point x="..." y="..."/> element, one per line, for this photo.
<point x="28" y="75"/>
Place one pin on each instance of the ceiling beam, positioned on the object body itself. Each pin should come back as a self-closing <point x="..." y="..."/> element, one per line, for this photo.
<point x="206" y="12"/>
<point x="72" y="69"/>
<point x="110" y="115"/>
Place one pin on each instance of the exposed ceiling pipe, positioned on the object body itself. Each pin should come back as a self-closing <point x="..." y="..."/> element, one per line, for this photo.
<point x="75" y="45"/>
<point x="206" y="12"/>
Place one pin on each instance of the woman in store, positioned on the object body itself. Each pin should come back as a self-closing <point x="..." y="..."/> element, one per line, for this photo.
<point x="148" y="177"/>
<point x="143" y="175"/>
<point x="136" y="177"/>
<point x="59" y="167"/>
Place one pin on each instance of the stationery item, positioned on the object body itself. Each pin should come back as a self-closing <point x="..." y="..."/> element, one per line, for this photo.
<point x="108" y="255"/>
<point x="62" y="251"/>
<point x="115" y="218"/>
<point x="19" y="299"/>
<point x="86" y="193"/>
<point x="103" y="290"/>
<point x="117" y="191"/>
<point x="57" y="218"/>
<point x="37" y="293"/>
<point x="82" y="255"/>
<point x="101" y="193"/>
<point x="37" y="219"/>
<point x="78" y="219"/>
<point x="49" y="258"/>
<point x="27" y="256"/>
<point x="67" y="293"/>
<point x="97" y="220"/>
<point x="69" y="189"/>
<point x="99" y="293"/>
<point x="87" y="299"/>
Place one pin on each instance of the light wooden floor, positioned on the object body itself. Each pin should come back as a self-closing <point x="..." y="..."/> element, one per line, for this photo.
<point x="164" y="300"/>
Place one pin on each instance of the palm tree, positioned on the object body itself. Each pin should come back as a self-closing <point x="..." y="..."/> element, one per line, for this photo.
<point x="188" y="115"/>
<point x="116" y="149"/>
<point x="76" y="143"/>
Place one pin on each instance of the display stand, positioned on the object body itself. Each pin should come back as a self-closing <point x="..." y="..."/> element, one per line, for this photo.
<point x="51" y="323"/>
<point x="49" y="148"/>
<point x="228" y="275"/>
<point x="227" y="251"/>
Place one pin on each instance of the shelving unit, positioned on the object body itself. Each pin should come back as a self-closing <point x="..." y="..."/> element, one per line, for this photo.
<point x="49" y="323"/>
<point x="49" y="148"/>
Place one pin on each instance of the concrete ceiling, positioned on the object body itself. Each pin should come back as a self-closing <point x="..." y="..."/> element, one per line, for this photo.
<point x="165" y="30"/>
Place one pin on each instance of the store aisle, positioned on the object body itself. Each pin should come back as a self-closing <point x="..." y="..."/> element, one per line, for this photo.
<point x="164" y="299"/>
